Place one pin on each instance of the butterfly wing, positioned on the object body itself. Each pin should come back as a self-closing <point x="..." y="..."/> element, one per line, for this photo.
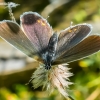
<point x="37" y="29"/>
<point x="12" y="33"/>
<point x="88" y="46"/>
<point x="70" y="37"/>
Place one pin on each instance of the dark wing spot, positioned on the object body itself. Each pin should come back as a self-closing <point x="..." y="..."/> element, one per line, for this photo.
<point x="30" y="19"/>
<point x="14" y="28"/>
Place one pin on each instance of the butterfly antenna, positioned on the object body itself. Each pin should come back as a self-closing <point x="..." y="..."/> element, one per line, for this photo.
<point x="10" y="5"/>
<point x="47" y="17"/>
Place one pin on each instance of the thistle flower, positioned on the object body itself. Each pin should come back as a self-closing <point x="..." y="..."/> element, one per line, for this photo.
<point x="56" y="77"/>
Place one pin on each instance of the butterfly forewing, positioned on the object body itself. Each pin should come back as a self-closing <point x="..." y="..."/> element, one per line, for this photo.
<point x="37" y="29"/>
<point x="88" y="46"/>
<point x="70" y="37"/>
<point x="12" y="33"/>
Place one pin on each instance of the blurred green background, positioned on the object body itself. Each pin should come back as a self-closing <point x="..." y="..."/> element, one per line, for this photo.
<point x="16" y="69"/>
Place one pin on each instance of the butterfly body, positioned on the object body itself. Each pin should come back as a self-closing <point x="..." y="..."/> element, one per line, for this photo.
<point x="49" y="55"/>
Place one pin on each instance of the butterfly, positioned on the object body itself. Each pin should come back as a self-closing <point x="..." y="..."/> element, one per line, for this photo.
<point x="36" y="38"/>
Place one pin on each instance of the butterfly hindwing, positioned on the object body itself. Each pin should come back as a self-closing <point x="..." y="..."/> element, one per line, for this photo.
<point x="86" y="47"/>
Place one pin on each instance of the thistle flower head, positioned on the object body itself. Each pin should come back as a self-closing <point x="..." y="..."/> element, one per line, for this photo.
<point x="56" y="77"/>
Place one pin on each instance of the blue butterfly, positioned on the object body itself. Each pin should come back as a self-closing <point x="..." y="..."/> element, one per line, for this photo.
<point x="35" y="38"/>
